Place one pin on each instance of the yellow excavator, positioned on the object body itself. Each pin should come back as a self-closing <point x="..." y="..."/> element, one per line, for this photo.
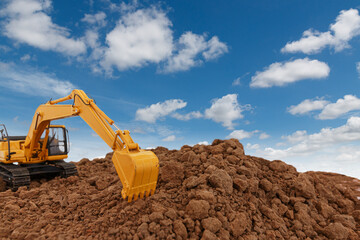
<point x="43" y="150"/>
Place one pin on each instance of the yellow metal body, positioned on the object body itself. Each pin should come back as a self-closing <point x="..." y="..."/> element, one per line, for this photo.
<point x="137" y="169"/>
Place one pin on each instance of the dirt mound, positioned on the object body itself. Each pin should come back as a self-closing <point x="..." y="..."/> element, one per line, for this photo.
<point x="204" y="192"/>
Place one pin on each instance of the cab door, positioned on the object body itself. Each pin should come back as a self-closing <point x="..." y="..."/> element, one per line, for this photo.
<point x="57" y="141"/>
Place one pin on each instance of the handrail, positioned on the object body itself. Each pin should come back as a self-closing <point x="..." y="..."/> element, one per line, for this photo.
<point x="8" y="140"/>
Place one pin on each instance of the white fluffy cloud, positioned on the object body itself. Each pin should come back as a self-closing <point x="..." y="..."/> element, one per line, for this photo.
<point x="32" y="82"/>
<point x="340" y="107"/>
<point x="306" y="144"/>
<point x="214" y="49"/>
<point x="252" y="146"/>
<point x="297" y="136"/>
<point x="91" y="39"/>
<point x="161" y="109"/>
<point x="170" y="138"/>
<point x="188" y="116"/>
<point x="346" y="27"/>
<point x="98" y="19"/>
<point x="328" y="110"/>
<point x="240" y="134"/>
<point x="26" y="22"/>
<point x="225" y="110"/>
<point x="140" y="37"/>
<point x="203" y="143"/>
<point x="307" y="105"/>
<point x="145" y="36"/>
<point x="190" y="45"/>
<point x="264" y="136"/>
<point x="280" y="74"/>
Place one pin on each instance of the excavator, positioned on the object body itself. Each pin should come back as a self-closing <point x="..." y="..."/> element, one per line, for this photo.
<point x="43" y="150"/>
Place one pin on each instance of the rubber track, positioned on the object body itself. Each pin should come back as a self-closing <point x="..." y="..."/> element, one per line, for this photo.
<point x="14" y="175"/>
<point x="69" y="169"/>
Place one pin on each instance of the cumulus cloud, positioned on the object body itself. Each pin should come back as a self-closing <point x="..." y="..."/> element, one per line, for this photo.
<point x="340" y="107"/>
<point x="297" y="136"/>
<point x="328" y="110"/>
<point x="140" y="37"/>
<point x="190" y="45"/>
<point x="308" y="105"/>
<point x="215" y="49"/>
<point x="188" y="116"/>
<point x="346" y="27"/>
<point x="170" y="138"/>
<point x="306" y="144"/>
<point x="203" y="143"/>
<point x="95" y="19"/>
<point x="161" y="109"/>
<point x="264" y="136"/>
<point x="280" y="74"/>
<point x="240" y="134"/>
<point x="32" y="82"/>
<point x="225" y="110"/>
<point x="26" y="21"/>
<point x="145" y="36"/>
<point x="252" y="146"/>
<point x="91" y="39"/>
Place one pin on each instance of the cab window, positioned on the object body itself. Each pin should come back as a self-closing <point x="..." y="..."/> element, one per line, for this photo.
<point x="57" y="141"/>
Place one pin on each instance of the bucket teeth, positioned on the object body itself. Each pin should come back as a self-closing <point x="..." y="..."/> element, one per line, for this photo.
<point x="134" y="196"/>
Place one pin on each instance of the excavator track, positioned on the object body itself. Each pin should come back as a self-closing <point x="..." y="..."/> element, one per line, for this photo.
<point x="15" y="175"/>
<point x="68" y="169"/>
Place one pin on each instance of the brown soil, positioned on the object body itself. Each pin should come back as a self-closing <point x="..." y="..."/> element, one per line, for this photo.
<point x="204" y="192"/>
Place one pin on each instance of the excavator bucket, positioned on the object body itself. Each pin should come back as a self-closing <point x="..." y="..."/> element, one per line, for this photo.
<point x="138" y="172"/>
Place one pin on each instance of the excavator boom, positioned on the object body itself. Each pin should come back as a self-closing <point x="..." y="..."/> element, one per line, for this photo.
<point x="137" y="169"/>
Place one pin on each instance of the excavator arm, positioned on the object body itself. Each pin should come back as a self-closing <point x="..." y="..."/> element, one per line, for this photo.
<point x="137" y="169"/>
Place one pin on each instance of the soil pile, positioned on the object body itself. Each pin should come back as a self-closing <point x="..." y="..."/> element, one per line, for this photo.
<point x="204" y="192"/>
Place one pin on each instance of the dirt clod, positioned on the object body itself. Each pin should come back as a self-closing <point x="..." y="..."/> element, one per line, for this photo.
<point x="221" y="179"/>
<point x="212" y="224"/>
<point x="198" y="209"/>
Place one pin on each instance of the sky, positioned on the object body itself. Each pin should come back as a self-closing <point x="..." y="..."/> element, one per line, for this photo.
<point x="283" y="77"/>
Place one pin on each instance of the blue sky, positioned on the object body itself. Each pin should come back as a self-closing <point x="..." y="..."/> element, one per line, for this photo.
<point x="282" y="76"/>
